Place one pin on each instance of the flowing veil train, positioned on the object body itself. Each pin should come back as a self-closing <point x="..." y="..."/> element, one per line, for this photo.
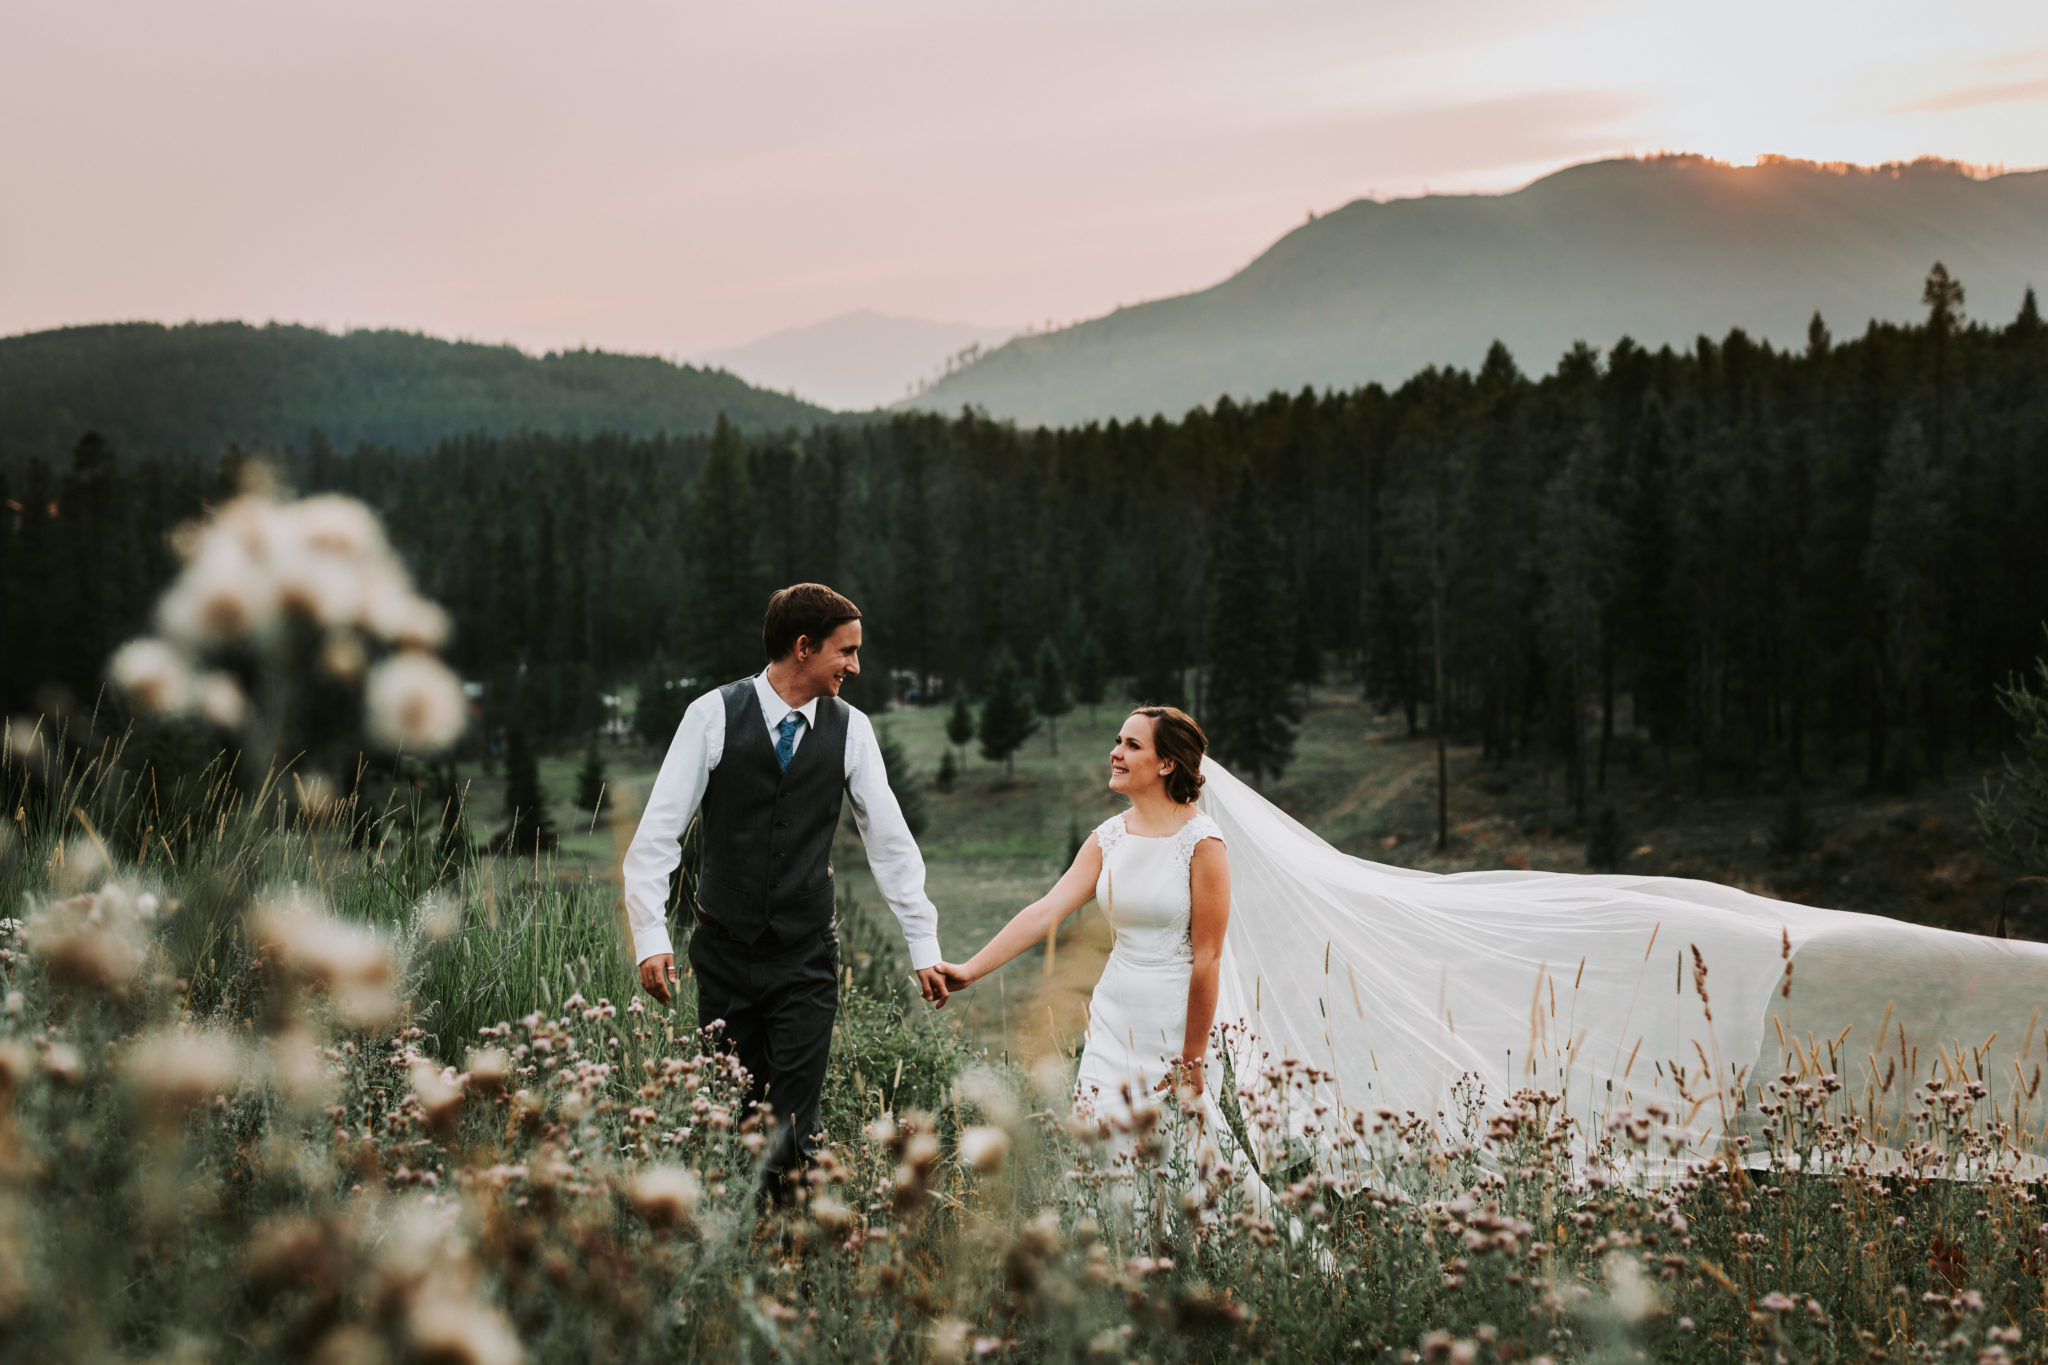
<point x="1616" y="992"/>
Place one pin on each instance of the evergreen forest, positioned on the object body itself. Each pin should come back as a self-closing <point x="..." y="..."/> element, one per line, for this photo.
<point x="1768" y="562"/>
<point x="198" y="388"/>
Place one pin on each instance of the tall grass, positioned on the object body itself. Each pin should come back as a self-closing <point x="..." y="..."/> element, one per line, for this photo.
<point x="210" y="1149"/>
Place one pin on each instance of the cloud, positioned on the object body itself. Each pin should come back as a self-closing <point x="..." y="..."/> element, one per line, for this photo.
<point x="1977" y="96"/>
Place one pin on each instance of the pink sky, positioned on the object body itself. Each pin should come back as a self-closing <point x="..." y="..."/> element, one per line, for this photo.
<point x="676" y="176"/>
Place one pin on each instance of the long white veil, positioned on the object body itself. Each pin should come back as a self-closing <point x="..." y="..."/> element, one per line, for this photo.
<point x="1618" y="993"/>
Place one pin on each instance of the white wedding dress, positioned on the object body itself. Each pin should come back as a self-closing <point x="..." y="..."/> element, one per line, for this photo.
<point x="1137" y="1018"/>
<point x="1620" y="994"/>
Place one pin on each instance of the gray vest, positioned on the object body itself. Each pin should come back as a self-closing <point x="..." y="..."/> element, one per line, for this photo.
<point x="767" y="834"/>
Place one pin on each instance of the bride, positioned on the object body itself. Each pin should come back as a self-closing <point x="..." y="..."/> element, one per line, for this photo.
<point x="1161" y="874"/>
<point x="1625" y="997"/>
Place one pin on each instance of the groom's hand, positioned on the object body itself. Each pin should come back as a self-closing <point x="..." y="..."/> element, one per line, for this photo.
<point x="656" y="973"/>
<point x="931" y="984"/>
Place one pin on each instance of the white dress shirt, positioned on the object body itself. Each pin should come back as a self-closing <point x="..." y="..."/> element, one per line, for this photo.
<point x="893" y="856"/>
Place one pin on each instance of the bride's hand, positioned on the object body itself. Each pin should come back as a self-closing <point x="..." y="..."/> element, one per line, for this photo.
<point x="1185" y="1074"/>
<point x="958" y="978"/>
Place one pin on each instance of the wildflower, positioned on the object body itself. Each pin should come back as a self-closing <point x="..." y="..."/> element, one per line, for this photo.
<point x="177" y="1069"/>
<point x="219" y="698"/>
<point x="350" y="1344"/>
<point x="298" y="1069"/>
<point x="413" y="702"/>
<point x="225" y="593"/>
<point x="80" y="865"/>
<point x="154" y="674"/>
<point x="1630" y="1295"/>
<point x="666" y="1196"/>
<point x="62" y="1063"/>
<point x="490" y="1070"/>
<point x="393" y="611"/>
<point x="336" y="525"/>
<point x="1775" y="1302"/>
<point x="985" y="1089"/>
<point x="439" y="1096"/>
<point x="14" y="1066"/>
<point x="984" y="1149"/>
<point x="831" y="1215"/>
<point x="94" y="940"/>
<point x="343" y="656"/>
<point x="456" y="1329"/>
<point x="949" y="1340"/>
<point x="349" y="963"/>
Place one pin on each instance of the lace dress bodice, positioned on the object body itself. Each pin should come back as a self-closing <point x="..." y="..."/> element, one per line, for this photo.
<point x="1144" y="889"/>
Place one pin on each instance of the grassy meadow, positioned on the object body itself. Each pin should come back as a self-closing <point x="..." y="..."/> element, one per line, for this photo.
<point x="993" y="843"/>
<point x="264" y="1096"/>
<point x="287" y="1074"/>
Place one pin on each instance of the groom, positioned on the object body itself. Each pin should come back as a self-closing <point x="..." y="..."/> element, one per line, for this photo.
<point x="766" y="760"/>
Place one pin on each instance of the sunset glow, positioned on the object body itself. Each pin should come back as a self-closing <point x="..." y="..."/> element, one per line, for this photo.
<point x="671" y="179"/>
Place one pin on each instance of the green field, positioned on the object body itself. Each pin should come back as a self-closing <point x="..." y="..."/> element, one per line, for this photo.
<point x="993" y="844"/>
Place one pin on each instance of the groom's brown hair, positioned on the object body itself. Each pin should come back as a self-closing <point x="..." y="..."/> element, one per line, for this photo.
<point x="803" y="610"/>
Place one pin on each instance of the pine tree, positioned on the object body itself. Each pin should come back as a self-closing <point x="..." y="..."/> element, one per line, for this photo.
<point x="1250" y="707"/>
<point x="727" y="591"/>
<point x="2028" y="323"/>
<point x="909" y="796"/>
<point x="960" y="723"/>
<point x="1305" y="663"/>
<point x="593" y="794"/>
<point x="2014" y="814"/>
<point x="1006" y="720"/>
<point x="949" y="771"/>
<point x="528" y="826"/>
<point x="658" y="709"/>
<point x="1049" y="695"/>
<point x="1606" y="841"/>
<point x="1087" y="669"/>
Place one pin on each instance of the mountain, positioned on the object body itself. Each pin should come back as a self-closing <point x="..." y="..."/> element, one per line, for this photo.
<point x="1662" y="250"/>
<point x="196" y="388"/>
<point x="857" y="360"/>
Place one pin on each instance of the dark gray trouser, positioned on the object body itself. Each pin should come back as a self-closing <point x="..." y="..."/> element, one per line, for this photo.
<point x="778" y="1002"/>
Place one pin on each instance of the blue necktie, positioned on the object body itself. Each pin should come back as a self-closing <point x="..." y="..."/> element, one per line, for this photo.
<point x="785" y="748"/>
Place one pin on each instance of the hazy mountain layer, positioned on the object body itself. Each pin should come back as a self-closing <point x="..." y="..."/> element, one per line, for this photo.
<point x="1660" y="250"/>
<point x="194" y="389"/>
<point x="857" y="360"/>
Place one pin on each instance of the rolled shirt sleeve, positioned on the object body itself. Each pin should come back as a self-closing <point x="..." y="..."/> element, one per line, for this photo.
<point x="656" y="848"/>
<point x="893" y="854"/>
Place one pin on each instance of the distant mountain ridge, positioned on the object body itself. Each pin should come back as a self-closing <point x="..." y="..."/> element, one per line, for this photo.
<point x="197" y="388"/>
<point x="1661" y="250"/>
<point x="858" y="360"/>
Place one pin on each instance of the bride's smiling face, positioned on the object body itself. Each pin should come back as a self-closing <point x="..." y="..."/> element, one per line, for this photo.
<point x="1134" y="765"/>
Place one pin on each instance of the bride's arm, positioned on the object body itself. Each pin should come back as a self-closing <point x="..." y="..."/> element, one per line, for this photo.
<point x="1031" y="924"/>
<point x="1209" y="884"/>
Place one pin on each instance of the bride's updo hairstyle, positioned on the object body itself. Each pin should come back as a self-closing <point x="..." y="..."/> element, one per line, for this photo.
<point x="1179" y="741"/>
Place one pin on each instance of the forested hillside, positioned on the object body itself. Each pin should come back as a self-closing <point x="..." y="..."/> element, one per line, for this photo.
<point x="1662" y="250"/>
<point x="195" y="390"/>
<point x="1760" y="560"/>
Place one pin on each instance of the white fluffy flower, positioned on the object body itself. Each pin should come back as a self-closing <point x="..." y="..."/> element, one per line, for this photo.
<point x="666" y="1195"/>
<point x="984" y="1149"/>
<point x="226" y="592"/>
<point x="338" y="525"/>
<point x="154" y="673"/>
<point x="219" y="698"/>
<point x="414" y="703"/>
<point x="176" y="1069"/>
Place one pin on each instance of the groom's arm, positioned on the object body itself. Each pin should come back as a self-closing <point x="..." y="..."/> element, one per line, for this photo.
<point x="892" y="851"/>
<point x="656" y="847"/>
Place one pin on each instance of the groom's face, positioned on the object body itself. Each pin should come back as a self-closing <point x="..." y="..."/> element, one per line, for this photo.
<point x="826" y="668"/>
